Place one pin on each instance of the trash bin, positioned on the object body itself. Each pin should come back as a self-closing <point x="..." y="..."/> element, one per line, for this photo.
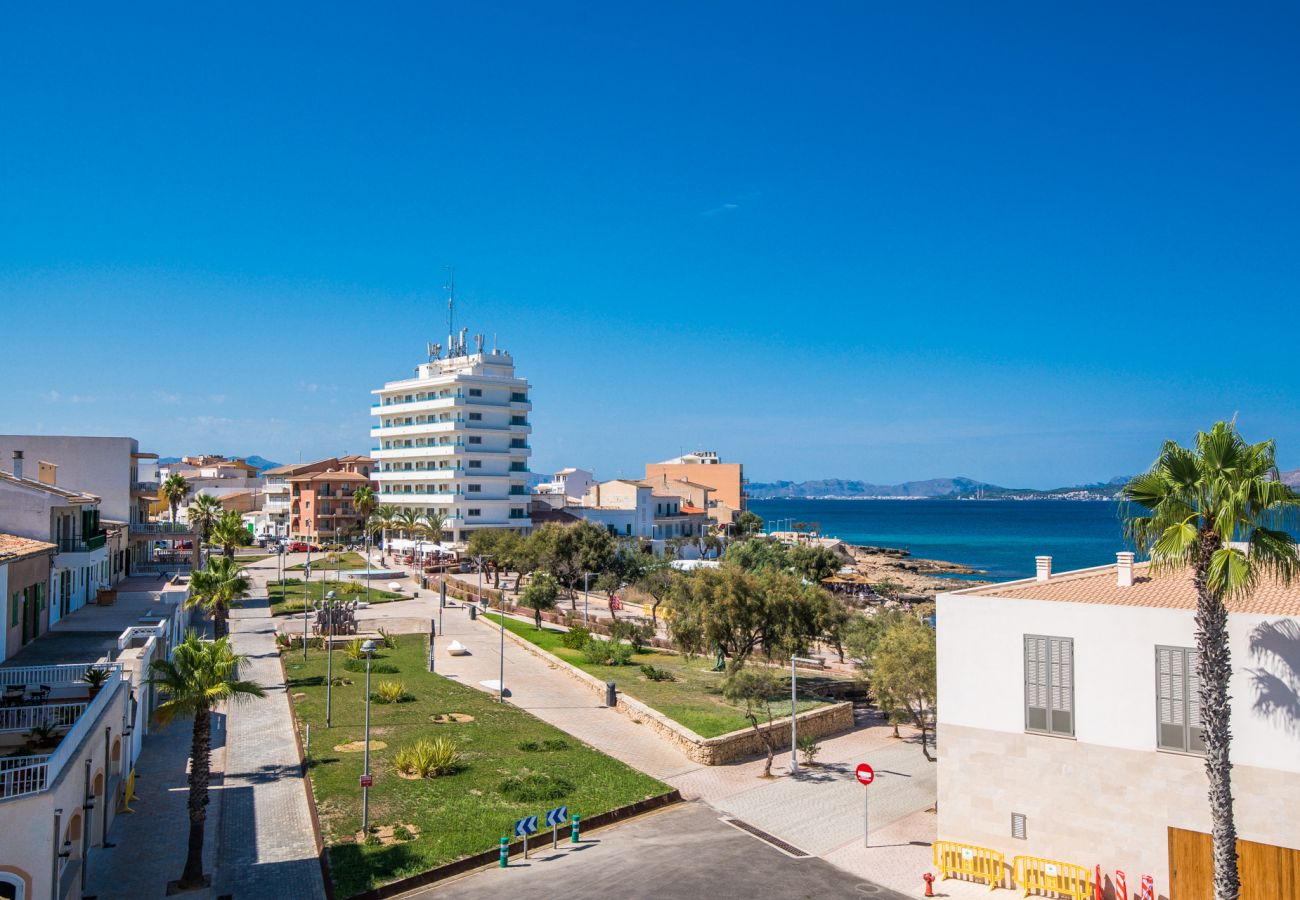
<point x="473" y="613"/>
<point x="611" y="694"/>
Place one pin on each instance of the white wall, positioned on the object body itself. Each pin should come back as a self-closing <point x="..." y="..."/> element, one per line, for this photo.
<point x="96" y="465"/>
<point x="981" y="671"/>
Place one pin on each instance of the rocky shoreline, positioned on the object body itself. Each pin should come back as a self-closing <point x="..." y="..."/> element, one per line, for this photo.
<point x="923" y="577"/>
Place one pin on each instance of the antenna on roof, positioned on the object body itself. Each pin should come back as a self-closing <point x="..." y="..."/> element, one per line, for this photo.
<point x="450" y="288"/>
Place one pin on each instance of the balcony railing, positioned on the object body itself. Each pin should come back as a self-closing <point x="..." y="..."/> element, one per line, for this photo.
<point x="81" y="545"/>
<point x="147" y="487"/>
<point x="20" y="775"/>
<point x="25" y="718"/>
<point x="162" y="528"/>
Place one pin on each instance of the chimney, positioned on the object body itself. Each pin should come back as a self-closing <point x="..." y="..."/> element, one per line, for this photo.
<point x="1044" y="566"/>
<point x="46" y="472"/>
<point x="1124" y="569"/>
<point x="18" y="464"/>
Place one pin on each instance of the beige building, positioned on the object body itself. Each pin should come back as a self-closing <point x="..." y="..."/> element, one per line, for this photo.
<point x="1068" y="719"/>
<point x="25" y="566"/>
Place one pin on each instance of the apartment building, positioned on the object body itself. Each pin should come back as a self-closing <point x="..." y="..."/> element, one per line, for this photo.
<point x="571" y="483"/>
<point x="631" y="508"/>
<point x="25" y="567"/>
<point x="726" y="481"/>
<point x="322" y="510"/>
<point x="1069" y="723"/>
<point x="115" y="470"/>
<point x="454" y="439"/>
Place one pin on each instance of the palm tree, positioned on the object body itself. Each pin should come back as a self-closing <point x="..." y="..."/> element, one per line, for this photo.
<point x="434" y="525"/>
<point x="219" y="588"/>
<point x="173" y="491"/>
<point x="230" y="532"/>
<point x="1200" y="506"/>
<point x="203" y="515"/>
<point x="410" y="522"/>
<point x="384" y="518"/>
<point x="199" y="675"/>
<point x="364" y="502"/>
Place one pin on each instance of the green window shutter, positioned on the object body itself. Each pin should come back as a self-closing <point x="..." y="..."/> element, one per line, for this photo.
<point x="13" y="607"/>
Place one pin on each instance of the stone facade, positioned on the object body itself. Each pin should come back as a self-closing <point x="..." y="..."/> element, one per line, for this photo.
<point x="1117" y="802"/>
<point x="707" y="751"/>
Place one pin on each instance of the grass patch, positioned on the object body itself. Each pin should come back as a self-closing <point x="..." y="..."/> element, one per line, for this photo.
<point x="289" y="600"/>
<point x="687" y="691"/>
<point x="252" y="557"/>
<point x="457" y="814"/>
<point x="346" y="561"/>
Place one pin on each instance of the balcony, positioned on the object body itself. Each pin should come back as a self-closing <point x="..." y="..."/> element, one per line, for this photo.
<point x="145" y="487"/>
<point x="68" y="706"/>
<point x="519" y="445"/>
<point x="81" y="545"/>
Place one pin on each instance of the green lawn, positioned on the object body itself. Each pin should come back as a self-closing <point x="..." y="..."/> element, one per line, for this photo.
<point x="347" y="562"/>
<point x="290" y="601"/>
<point x="251" y="557"/>
<point x="694" y="699"/>
<point x="459" y="814"/>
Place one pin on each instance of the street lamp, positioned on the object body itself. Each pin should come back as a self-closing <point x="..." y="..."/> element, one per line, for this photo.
<point x="306" y="585"/>
<point x="329" y="654"/>
<point x="586" y="598"/>
<point x="368" y="648"/>
<point x="794" y="758"/>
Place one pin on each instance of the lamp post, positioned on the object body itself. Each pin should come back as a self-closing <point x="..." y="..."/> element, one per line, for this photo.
<point x="306" y="585"/>
<point x="794" y="700"/>
<point x="368" y="648"/>
<point x="586" y="598"/>
<point x="329" y="656"/>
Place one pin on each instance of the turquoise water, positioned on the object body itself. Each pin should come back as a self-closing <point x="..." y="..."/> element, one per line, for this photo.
<point x="1001" y="537"/>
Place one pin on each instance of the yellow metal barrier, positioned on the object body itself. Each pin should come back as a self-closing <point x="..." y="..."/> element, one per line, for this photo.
<point x="1034" y="873"/>
<point x="128" y="793"/>
<point x="953" y="859"/>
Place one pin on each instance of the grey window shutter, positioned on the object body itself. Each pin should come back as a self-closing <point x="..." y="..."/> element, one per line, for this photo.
<point x="1171" y="699"/>
<point x="1195" y="743"/>
<point x="1035" y="683"/>
<point x="1061" y="681"/>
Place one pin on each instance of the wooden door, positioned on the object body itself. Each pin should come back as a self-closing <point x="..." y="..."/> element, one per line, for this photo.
<point x="1267" y="872"/>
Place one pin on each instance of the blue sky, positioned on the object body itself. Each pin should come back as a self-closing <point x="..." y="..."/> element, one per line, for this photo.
<point x="1019" y="242"/>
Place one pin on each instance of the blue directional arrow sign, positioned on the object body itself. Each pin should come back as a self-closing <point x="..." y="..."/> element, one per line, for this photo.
<point x="526" y="826"/>
<point x="557" y="816"/>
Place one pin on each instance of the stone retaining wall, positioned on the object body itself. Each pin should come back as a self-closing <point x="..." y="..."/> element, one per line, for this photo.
<point x="707" y="751"/>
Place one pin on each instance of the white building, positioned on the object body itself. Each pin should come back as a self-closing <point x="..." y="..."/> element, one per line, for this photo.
<point x="1068" y="721"/>
<point x="569" y="482"/>
<point x="455" y="439"/>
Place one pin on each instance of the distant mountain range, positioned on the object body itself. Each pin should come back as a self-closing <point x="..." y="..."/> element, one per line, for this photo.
<point x="261" y="462"/>
<point x="931" y="488"/>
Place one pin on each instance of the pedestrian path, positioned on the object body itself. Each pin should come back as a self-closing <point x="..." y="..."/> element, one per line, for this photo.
<point x="267" y="846"/>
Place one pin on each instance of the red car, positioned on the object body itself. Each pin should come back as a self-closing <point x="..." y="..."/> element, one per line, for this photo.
<point x="300" y="547"/>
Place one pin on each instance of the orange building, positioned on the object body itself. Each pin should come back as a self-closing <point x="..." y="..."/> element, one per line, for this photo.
<point x="321" y="508"/>
<point x="703" y="467"/>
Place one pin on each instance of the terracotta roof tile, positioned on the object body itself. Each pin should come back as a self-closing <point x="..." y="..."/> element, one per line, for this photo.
<point x="13" y="547"/>
<point x="1166" y="591"/>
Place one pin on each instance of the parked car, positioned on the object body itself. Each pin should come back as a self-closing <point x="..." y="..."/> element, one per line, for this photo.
<point x="303" y="547"/>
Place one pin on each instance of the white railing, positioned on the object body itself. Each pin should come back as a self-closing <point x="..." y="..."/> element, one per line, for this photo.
<point x="139" y="631"/>
<point x="25" y="718"/>
<point x="89" y="720"/>
<point x="21" y="775"/>
<point x="66" y="673"/>
<point x="162" y="527"/>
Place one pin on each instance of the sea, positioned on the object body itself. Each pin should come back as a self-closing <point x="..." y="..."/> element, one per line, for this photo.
<point x="998" y="537"/>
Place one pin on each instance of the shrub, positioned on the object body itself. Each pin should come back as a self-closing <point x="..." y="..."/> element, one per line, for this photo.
<point x="283" y="641"/>
<point x="809" y="747"/>
<point x="657" y="674"/>
<point x="547" y="746"/>
<point x="576" y="637"/>
<point x="351" y="588"/>
<point x="378" y="668"/>
<point x="428" y="758"/>
<point x="388" y="639"/>
<point x="596" y="651"/>
<point x="534" y="787"/>
<point x="372" y="840"/>
<point x="353" y="649"/>
<point x="638" y="635"/>
<point x="391" y="692"/>
<point x="402" y="833"/>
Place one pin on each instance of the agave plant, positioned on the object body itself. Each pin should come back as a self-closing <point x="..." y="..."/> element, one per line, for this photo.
<point x="428" y="758"/>
<point x="390" y="692"/>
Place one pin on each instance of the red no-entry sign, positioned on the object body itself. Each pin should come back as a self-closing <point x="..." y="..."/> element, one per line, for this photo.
<point x="866" y="774"/>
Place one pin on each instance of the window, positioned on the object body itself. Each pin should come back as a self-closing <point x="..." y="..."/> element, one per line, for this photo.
<point x="473" y="488"/>
<point x="476" y="463"/>
<point x="476" y="417"/>
<point x="475" y="392"/>
<point x="1049" y="685"/>
<point x="17" y="601"/>
<point x="472" y="512"/>
<point x="518" y="397"/>
<point x="1178" y="702"/>
<point x="476" y="440"/>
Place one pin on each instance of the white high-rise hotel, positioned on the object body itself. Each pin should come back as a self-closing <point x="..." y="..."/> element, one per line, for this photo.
<point x="454" y="439"/>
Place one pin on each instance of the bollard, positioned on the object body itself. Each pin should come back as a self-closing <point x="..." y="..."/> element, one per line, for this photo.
<point x="611" y="694"/>
<point x="473" y="613"/>
<point x="505" y="853"/>
<point x="574" y="834"/>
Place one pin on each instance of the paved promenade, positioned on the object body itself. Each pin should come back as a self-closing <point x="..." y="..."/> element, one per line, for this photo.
<point x="267" y="846"/>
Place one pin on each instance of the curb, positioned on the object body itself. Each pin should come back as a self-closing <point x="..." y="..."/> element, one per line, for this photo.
<point x="490" y="857"/>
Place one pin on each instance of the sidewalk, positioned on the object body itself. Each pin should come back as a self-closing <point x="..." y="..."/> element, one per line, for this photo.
<point x="267" y="844"/>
